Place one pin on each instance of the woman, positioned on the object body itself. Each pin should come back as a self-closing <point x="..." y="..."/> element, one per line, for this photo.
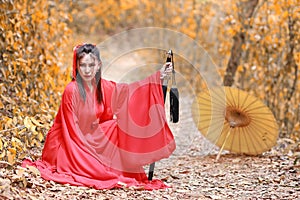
<point x="104" y="132"/>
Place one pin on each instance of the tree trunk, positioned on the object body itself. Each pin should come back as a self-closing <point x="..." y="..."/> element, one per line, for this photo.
<point x="247" y="9"/>
<point x="289" y="66"/>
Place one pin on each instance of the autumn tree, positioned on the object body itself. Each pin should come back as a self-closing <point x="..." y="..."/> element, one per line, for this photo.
<point x="269" y="65"/>
<point x="245" y="9"/>
<point x="33" y="36"/>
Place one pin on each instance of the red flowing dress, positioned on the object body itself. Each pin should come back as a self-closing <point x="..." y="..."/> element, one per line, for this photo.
<point x="106" y="145"/>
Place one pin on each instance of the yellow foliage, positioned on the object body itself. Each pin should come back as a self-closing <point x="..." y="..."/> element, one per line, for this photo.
<point x="40" y="136"/>
<point x="11" y="156"/>
<point x="32" y="38"/>
<point x="3" y="154"/>
<point x="240" y="68"/>
<point x="1" y="144"/>
<point x="36" y="122"/>
<point x="13" y="151"/>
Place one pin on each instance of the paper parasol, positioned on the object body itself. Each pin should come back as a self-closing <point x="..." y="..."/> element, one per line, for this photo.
<point x="235" y="121"/>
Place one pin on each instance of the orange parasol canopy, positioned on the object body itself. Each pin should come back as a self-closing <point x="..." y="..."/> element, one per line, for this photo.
<point x="235" y="121"/>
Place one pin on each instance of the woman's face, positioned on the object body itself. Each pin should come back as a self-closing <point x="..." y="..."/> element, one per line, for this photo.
<point x="88" y="66"/>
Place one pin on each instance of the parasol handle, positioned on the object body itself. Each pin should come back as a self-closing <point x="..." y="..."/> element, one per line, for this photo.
<point x="227" y="136"/>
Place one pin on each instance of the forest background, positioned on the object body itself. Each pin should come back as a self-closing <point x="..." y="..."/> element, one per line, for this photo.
<point x="254" y="43"/>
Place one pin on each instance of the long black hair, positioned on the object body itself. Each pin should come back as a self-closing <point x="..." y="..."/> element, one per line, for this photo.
<point x="80" y="52"/>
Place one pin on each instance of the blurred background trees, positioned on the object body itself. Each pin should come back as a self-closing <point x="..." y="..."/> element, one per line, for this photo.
<point x="254" y="43"/>
<point x="33" y="36"/>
